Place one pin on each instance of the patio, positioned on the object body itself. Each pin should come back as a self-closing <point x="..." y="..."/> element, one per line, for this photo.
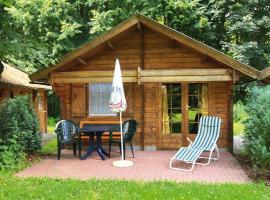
<point x="148" y="166"/>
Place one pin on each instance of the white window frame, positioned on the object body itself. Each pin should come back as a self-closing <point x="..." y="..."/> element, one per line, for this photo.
<point x="89" y="103"/>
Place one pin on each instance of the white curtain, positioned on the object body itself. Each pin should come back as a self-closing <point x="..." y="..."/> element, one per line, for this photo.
<point x="165" y="114"/>
<point x="99" y="97"/>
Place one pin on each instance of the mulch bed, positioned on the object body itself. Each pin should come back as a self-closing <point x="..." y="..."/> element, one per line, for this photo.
<point x="245" y="162"/>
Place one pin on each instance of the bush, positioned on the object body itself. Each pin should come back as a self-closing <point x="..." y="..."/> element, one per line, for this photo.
<point x="257" y="128"/>
<point x="239" y="112"/>
<point x="18" y="131"/>
<point x="52" y="121"/>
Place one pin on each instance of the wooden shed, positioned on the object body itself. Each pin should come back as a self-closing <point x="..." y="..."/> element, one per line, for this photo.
<point x="170" y="81"/>
<point x="15" y="82"/>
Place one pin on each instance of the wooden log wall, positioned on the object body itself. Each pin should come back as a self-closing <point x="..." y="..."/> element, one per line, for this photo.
<point x="220" y="107"/>
<point x="160" y="52"/>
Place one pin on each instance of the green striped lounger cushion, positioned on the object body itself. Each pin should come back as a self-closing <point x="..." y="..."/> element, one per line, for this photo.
<point x="187" y="154"/>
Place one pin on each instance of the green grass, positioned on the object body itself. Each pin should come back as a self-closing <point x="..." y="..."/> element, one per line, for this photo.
<point x="238" y="128"/>
<point x="46" y="188"/>
<point x="49" y="148"/>
<point x="178" y="117"/>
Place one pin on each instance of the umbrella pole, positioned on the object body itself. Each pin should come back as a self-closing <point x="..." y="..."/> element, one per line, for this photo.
<point x="121" y="130"/>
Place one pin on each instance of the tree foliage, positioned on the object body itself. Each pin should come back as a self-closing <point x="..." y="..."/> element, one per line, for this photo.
<point x="36" y="33"/>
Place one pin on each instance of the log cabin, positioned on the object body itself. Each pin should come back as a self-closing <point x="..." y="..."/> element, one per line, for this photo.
<point x="14" y="82"/>
<point x="170" y="80"/>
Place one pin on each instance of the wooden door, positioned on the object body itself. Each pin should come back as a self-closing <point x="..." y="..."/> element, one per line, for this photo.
<point x="181" y="106"/>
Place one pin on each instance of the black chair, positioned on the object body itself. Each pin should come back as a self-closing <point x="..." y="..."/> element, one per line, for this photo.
<point x="129" y="129"/>
<point x="67" y="133"/>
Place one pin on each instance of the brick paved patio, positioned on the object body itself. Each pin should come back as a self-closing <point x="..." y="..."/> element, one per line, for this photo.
<point x="148" y="165"/>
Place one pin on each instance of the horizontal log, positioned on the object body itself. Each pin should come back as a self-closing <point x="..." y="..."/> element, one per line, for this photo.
<point x="149" y="76"/>
<point x="173" y="79"/>
<point x="93" y="80"/>
<point x="89" y="74"/>
<point x="185" y="72"/>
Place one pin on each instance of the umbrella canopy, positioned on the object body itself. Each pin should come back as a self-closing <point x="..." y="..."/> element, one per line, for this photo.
<point x="117" y="100"/>
<point x="118" y="104"/>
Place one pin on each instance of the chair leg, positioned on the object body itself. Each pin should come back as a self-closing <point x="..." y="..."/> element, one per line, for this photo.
<point x="181" y="169"/>
<point x="217" y="158"/>
<point x="80" y="148"/>
<point x="124" y="151"/>
<point x="131" y="149"/>
<point x="74" y="149"/>
<point x="110" y="146"/>
<point x="210" y="157"/>
<point x="59" y="147"/>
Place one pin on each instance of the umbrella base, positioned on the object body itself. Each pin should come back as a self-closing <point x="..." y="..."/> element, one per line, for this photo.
<point x="122" y="163"/>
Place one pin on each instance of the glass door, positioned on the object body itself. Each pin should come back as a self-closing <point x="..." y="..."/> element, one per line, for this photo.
<point x="182" y="105"/>
<point x="197" y="105"/>
<point x="171" y="109"/>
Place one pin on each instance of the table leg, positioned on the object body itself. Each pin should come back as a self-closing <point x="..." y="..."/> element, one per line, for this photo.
<point x="102" y="153"/>
<point x="90" y="147"/>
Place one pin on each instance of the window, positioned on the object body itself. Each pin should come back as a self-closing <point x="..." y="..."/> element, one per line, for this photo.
<point x="197" y="105"/>
<point x="99" y="97"/>
<point x="40" y="102"/>
<point x="171" y="108"/>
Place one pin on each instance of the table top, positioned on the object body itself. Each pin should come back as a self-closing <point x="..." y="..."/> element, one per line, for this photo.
<point x="100" y="128"/>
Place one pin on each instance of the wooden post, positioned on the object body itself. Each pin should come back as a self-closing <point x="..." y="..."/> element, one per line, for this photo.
<point x="142" y="86"/>
<point x="46" y="109"/>
<point x="230" y="121"/>
<point x="185" y="124"/>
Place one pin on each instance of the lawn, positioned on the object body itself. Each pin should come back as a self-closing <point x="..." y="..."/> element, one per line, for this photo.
<point x="49" y="148"/>
<point x="46" y="188"/>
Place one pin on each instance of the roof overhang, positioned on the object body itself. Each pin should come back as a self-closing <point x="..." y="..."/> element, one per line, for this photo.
<point x="11" y="76"/>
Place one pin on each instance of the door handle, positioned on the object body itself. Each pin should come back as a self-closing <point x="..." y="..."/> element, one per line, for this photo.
<point x="187" y="107"/>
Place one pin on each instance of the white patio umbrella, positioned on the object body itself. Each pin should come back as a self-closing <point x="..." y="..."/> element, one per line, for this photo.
<point x="118" y="104"/>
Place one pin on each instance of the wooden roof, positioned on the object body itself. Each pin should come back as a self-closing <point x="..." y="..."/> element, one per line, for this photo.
<point x="136" y="20"/>
<point x="10" y="75"/>
<point x="265" y="75"/>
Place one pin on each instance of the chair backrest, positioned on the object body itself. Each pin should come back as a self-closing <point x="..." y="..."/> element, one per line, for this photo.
<point x="209" y="130"/>
<point x="65" y="129"/>
<point x="129" y="129"/>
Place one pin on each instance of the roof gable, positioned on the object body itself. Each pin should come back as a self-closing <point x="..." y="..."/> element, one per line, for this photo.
<point x="169" y="32"/>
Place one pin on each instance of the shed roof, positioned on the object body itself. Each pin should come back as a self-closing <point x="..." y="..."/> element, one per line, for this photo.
<point x="136" y="20"/>
<point x="265" y="74"/>
<point x="13" y="76"/>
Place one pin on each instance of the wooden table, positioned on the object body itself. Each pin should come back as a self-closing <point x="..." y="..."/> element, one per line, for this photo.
<point x="97" y="130"/>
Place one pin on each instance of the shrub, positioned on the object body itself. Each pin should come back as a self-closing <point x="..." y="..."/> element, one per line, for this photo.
<point x="18" y="131"/>
<point x="239" y="112"/>
<point x="257" y="128"/>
